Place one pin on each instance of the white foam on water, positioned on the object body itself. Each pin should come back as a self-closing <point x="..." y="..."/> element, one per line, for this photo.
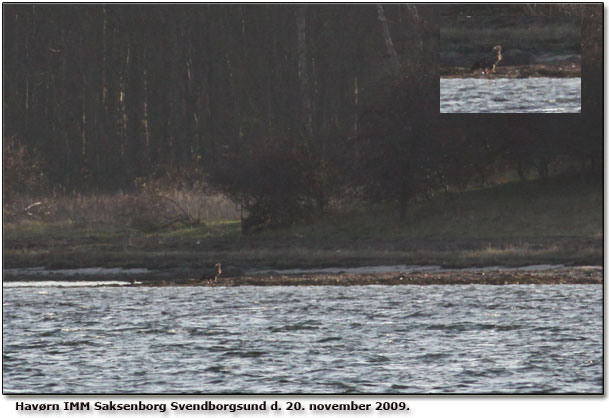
<point x="53" y="283"/>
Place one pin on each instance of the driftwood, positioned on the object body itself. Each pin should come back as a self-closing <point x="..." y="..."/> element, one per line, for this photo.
<point x="27" y="210"/>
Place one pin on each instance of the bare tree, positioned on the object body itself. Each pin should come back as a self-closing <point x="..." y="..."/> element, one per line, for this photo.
<point x="303" y="71"/>
<point x="393" y="56"/>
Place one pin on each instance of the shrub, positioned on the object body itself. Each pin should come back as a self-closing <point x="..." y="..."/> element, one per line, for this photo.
<point x="275" y="189"/>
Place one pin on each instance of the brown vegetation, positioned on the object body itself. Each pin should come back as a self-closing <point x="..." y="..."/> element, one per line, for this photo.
<point x="145" y="211"/>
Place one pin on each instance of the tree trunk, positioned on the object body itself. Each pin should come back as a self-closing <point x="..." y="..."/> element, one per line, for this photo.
<point x="415" y="29"/>
<point x="303" y="72"/>
<point x="393" y="56"/>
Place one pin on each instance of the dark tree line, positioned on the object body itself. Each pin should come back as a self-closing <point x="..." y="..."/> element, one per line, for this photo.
<point x="281" y="106"/>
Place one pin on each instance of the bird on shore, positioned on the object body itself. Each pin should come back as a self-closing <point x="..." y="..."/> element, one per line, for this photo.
<point x="213" y="275"/>
<point x="489" y="61"/>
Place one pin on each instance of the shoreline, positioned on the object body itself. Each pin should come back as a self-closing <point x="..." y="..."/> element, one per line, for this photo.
<point x="553" y="70"/>
<point x="501" y="276"/>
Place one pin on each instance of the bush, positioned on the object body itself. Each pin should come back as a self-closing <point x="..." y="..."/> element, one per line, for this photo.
<point x="168" y="200"/>
<point x="178" y="197"/>
<point x="275" y="189"/>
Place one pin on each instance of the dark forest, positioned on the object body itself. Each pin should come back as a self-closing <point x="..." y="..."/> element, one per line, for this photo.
<point x="262" y="100"/>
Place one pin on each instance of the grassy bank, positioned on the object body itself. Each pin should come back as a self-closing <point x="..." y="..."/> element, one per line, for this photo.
<point x="513" y="224"/>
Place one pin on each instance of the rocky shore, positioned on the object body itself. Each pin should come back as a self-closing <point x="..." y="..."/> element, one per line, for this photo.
<point x="381" y="275"/>
<point x="555" y="70"/>
<point x="566" y="275"/>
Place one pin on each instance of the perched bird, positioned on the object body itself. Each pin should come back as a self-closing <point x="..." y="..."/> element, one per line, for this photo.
<point x="489" y="61"/>
<point x="212" y="276"/>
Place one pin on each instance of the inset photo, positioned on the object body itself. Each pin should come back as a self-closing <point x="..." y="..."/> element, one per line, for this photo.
<point x="510" y="64"/>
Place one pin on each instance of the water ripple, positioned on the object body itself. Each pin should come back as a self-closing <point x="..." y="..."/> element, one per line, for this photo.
<point x="527" y="95"/>
<point x="372" y="339"/>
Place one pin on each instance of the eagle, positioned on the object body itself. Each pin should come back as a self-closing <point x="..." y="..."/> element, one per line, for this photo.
<point x="213" y="275"/>
<point x="489" y="61"/>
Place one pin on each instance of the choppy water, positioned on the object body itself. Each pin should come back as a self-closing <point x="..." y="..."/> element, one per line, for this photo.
<point x="502" y="95"/>
<point x="407" y="339"/>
